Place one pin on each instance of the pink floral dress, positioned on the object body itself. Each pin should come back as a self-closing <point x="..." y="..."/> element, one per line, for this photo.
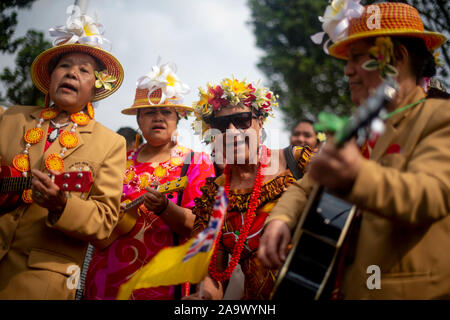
<point x="111" y="267"/>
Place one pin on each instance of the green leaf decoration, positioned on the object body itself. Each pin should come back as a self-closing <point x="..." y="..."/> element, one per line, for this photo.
<point x="391" y="71"/>
<point x="330" y="122"/>
<point x="370" y="65"/>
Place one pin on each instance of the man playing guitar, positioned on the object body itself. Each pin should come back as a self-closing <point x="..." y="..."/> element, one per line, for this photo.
<point x="402" y="191"/>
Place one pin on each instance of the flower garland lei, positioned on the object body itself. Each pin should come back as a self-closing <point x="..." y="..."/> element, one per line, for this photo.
<point x="250" y="216"/>
<point x="67" y="139"/>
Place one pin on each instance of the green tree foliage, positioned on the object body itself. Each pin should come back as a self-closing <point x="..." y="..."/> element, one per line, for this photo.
<point x="305" y="78"/>
<point x="308" y="80"/>
<point x="18" y="84"/>
<point x="8" y="22"/>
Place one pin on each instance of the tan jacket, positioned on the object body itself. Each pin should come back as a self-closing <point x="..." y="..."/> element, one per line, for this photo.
<point x="405" y="197"/>
<point x="37" y="258"/>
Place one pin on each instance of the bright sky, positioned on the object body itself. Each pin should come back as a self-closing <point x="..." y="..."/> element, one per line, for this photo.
<point x="207" y="39"/>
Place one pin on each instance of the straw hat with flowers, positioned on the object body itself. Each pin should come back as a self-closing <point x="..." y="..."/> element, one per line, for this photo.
<point x="346" y="21"/>
<point x="161" y="87"/>
<point x="80" y="34"/>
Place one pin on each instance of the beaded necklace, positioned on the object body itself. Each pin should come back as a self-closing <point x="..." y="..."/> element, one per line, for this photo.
<point x="250" y="216"/>
<point x="67" y="140"/>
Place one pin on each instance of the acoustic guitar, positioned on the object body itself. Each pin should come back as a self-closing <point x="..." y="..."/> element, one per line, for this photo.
<point x="12" y="184"/>
<point x="129" y="212"/>
<point x="325" y="221"/>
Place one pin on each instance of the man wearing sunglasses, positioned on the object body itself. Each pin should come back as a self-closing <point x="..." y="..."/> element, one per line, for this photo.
<point x="254" y="178"/>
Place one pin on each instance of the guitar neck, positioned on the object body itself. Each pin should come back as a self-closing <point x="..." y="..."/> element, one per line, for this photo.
<point x="14" y="184"/>
<point x="136" y="202"/>
<point x="367" y="112"/>
<point x="168" y="187"/>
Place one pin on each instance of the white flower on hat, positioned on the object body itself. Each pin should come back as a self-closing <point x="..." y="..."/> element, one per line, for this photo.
<point x="336" y="20"/>
<point x="164" y="77"/>
<point x="79" y="29"/>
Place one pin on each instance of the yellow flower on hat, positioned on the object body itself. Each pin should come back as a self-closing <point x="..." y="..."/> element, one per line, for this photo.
<point x="382" y="53"/>
<point x="383" y="50"/>
<point x="104" y="80"/>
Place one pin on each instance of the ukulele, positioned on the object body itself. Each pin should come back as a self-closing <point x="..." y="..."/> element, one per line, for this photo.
<point x="129" y="212"/>
<point x="325" y="220"/>
<point x="12" y="184"/>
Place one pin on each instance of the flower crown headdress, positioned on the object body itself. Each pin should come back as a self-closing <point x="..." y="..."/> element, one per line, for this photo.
<point x="231" y="92"/>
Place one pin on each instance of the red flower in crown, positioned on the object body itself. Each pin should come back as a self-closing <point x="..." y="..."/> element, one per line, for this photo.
<point x="217" y="101"/>
<point x="249" y="100"/>
<point x="251" y="88"/>
<point x="266" y="105"/>
<point x="251" y="97"/>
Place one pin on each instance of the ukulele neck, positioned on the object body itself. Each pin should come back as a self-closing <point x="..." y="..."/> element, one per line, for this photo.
<point x="14" y="184"/>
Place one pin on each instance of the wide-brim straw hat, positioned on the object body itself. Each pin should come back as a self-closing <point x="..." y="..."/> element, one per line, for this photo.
<point x="396" y="19"/>
<point x="40" y="69"/>
<point x="142" y="100"/>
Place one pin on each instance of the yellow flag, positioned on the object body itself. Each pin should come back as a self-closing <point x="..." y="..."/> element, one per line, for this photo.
<point x="185" y="263"/>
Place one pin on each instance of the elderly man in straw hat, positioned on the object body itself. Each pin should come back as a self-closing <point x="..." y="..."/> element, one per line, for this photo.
<point x="402" y="190"/>
<point x="43" y="238"/>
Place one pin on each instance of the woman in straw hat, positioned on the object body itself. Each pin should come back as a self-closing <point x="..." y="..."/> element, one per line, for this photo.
<point x="162" y="219"/>
<point x="44" y="239"/>
<point x="402" y="191"/>
<point x="254" y="177"/>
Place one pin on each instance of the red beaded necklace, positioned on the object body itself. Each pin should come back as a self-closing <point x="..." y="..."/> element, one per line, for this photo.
<point x="250" y="216"/>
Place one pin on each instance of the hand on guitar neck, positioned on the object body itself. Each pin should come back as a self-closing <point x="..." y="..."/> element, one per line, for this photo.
<point x="340" y="164"/>
<point x="46" y="193"/>
<point x="179" y="219"/>
<point x="335" y="169"/>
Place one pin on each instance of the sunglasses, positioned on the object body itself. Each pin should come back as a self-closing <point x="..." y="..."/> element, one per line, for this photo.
<point x="241" y="120"/>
